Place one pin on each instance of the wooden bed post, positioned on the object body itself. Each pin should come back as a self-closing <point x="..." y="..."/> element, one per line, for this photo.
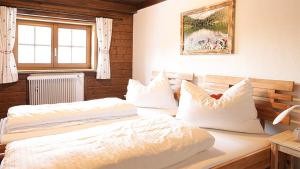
<point x="274" y="156"/>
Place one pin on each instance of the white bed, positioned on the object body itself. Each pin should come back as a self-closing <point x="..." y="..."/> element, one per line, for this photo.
<point x="237" y="144"/>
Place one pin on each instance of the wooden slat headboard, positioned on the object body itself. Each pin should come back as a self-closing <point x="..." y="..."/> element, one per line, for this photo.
<point x="175" y="79"/>
<point x="271" y="96"/>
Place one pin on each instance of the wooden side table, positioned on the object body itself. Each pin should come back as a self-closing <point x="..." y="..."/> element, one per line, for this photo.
<point x="284" y="147"/>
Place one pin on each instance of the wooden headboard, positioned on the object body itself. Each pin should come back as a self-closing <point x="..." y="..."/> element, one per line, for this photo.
<point x="175" y="80"/>
<point x="271" y="96"/>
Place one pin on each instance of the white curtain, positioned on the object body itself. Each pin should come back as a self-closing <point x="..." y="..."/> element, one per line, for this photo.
<point x="8" y="69"/>
<point x="104" y="31"/>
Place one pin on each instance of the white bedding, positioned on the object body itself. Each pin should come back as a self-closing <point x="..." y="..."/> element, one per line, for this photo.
<point x="149" y="112"/>
<point x="44" y="131"/>
<point x="148" y="143"/>
<point x="29" y="117"/>
<point x="228" y="145"/>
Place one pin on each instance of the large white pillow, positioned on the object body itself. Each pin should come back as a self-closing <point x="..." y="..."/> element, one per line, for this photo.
<point x="158" y="94"/>
<point x="234" y="111"/>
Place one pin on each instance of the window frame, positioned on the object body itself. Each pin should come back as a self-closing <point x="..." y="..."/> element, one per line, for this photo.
<point x="54" y="65"/>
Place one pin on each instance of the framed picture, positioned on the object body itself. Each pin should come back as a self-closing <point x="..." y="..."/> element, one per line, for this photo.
<point x="208" y="30"/>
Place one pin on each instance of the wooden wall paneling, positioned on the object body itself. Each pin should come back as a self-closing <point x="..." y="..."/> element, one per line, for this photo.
<point x="13" y="94"/>
<point x="121" y="68"/>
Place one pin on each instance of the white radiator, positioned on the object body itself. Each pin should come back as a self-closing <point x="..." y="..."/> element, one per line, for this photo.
<point x="55" y="88"/>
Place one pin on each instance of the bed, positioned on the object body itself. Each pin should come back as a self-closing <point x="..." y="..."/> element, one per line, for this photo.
<point x="271" y="97"/>
<point x="268" y="94"/>
<point x="253" y="148"/>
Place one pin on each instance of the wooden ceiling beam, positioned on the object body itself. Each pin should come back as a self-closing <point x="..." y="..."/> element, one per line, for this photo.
<point x="90" y="7"/>
<point x="148" y="3"/>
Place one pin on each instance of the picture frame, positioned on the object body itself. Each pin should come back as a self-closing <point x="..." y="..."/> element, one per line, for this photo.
<point x="208" y="30"/>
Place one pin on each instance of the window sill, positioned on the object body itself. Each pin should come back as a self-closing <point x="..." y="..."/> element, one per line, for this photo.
<point x="56" y="71"/>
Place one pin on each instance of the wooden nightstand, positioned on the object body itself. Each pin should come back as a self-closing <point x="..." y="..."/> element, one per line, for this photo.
<point x="284" y="147"/>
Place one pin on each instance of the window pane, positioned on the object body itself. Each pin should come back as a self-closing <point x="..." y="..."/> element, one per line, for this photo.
<point x="25" y="34"/>
<point x="42" y="54"/>
<point x="64" y="37"/>
<point x="43" y="35"/>
<point x="78" y="55"/>
<point x="26" y="54"/>
<point x="64" y="55"/>
<point x="35" y="44"/>
<point x="78" y="37"/>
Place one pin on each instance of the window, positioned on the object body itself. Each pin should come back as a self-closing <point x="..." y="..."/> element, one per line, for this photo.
<point x="71" y="46"/>
<point x="43" y="45"/>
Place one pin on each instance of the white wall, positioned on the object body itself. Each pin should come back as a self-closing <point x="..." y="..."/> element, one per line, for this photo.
<point x="267" y="41"/>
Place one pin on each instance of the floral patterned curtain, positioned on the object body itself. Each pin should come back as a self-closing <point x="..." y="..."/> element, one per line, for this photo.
<point x="104" y="32"/>
<point x="8" y="69"/>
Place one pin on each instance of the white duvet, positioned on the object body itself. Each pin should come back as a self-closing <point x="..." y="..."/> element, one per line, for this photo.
<point x="28" y="117"/>
<point x="149" y="143"/>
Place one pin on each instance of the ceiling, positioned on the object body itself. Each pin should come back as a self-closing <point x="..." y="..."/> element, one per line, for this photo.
<point x="131" y="2"/>
<point x="139" y="4"/>
<point x="82" y="7"/>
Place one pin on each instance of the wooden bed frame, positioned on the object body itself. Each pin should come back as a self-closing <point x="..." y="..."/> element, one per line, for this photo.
<point x="270" y="96"/>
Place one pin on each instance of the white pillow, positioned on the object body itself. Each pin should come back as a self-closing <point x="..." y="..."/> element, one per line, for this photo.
<point x="158" y="94"/>
<point x="234" y="111"/>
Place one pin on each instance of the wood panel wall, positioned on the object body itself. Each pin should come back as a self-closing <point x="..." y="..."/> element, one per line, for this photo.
<point x="121" y="69"/>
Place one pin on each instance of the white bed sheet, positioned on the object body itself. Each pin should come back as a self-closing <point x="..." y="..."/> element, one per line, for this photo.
<point x="148" y="112"/>
<point x="228" y="145"/>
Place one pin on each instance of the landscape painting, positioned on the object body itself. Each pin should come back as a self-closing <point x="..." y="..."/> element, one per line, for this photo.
<point x="208" y="30"/>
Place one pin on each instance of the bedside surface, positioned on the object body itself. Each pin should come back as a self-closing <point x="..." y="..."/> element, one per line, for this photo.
<point x="286" y="139"/>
